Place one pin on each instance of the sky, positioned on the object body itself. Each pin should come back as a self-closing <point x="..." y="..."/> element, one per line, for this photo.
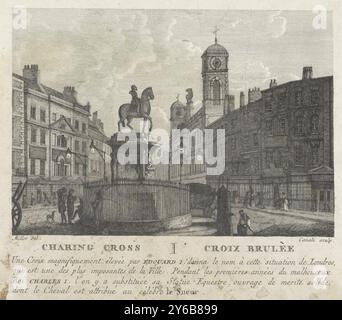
<point x="103" y="52"/>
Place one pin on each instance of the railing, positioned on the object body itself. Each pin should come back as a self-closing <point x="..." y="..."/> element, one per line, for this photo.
<point x="134" y="200"/>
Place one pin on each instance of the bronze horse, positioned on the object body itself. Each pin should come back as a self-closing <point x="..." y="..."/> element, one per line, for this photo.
<point x="126" y="112"/>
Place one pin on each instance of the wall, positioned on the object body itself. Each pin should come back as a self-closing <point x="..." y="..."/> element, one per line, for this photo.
<point x="18" y="127"/>
<point x="134" y="201"/>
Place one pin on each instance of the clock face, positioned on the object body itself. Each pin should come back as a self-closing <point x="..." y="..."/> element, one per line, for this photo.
<point x="215" y="63"/>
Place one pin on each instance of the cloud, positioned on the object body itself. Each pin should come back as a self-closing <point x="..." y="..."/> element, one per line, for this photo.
<point x="103" y="52"/>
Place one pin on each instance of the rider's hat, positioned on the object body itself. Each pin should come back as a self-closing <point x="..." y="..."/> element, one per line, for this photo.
<point x="134" y="87"/>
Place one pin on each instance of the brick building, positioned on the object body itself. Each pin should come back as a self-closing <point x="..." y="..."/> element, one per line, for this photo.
<point x="279" y="142"/>
<point x="18" y="129"/>
<point x="99" y="161"/>
<point x="46" y="123"/>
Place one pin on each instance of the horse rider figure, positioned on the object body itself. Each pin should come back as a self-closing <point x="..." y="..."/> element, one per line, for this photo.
<point x="135" y="103"/>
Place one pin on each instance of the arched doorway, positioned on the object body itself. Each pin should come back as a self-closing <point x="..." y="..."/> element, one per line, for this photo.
<point x="61" y="167"/>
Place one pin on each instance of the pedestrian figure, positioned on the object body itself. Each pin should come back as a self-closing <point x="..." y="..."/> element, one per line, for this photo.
<point x="79" y="210"/>
<point x="33" y="200"/>
<point x="224" y="226"/>
<point x="251" y="199"/>
<point x="212" y="208"/>
<point x="97" y="206"/>
<point x="285" y="202"/>
<point x="70" y="205"/>
<point x="61" y="202"/>
<point x="243" y="224"/>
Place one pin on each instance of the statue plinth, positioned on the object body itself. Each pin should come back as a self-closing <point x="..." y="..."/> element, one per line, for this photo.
<point x="142" y="145"/>
<point x="132" y="204"/>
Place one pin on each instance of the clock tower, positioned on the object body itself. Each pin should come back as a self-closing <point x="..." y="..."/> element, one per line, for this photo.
<point x="215" y="81"/>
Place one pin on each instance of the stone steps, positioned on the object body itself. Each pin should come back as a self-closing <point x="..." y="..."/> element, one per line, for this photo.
<point x="200" y="227"/>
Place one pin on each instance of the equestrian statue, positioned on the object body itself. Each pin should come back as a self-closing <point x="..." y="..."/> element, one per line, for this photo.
<point x="138" y="108"/>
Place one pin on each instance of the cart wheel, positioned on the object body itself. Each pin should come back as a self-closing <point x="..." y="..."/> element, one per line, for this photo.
<point x="16" y="216"/>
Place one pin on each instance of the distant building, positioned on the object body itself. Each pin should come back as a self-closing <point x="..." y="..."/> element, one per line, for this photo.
<point x="99" y="161"/>
<point x="46" y="123"/>
<point x="18" y="128"/>
<point x="278" y="142"/>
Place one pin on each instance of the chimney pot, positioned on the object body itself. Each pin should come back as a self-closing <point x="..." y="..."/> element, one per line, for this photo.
<point x="273" y="83"/>
<point x="307" y="72"/>
<point x="242" y="99"/>
<point x="32" y="73"/>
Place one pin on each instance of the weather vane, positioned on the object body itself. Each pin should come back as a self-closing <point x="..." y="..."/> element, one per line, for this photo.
<point x="215" y="32"/>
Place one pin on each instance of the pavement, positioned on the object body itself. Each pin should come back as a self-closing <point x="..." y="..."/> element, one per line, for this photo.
<point x="269" y="222"/>
<point x="314" y="216"/>
<point x="264" y="222"/>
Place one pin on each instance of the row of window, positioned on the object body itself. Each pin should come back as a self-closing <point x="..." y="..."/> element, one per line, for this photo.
<point x="60" y="169"/>
<point x="57" y="140"/>
<point x="280" y="127"/>
<point x="42" y="118"/>
<point x="247" y="141"/>
<point x="274" y="158"/>
<point x="298" y="98"/>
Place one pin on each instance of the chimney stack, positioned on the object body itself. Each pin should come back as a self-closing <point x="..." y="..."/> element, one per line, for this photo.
<point x="273" y="83"/>
<point x="231" y="102"/>
<point x="70" y="93"/>
<point x="95" y="117"/>
<point x="242" y="99"/>
<point x="226" y="104"/>
<point x="254" y="94"/>
<point x="32" y="73"/>
<point x="307" y="73"/>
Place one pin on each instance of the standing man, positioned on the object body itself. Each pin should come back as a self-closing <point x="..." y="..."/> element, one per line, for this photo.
<point x="244" y="224"/>
<point x="97" y="206"/>
<point x="61" y="198"/>
<point x="70" y="205"/>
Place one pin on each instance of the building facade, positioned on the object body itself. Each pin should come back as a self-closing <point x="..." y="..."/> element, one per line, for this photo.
<point x="277" y="143"/>
<point x="52" y="129"/>
<point x="99" y="156"/>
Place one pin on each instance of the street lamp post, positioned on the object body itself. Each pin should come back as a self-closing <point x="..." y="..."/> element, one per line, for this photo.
<point x="287" y="169"/>
<point x="84" y="162"/>
<point x="181" y="149"/>
<point x="102" y="153"/>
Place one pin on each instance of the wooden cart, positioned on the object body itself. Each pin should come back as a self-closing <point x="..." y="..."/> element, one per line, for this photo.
<point x="16" y="207"/>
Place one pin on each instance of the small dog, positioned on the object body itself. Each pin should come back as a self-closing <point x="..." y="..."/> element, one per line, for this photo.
<point x="50" y="217"/>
